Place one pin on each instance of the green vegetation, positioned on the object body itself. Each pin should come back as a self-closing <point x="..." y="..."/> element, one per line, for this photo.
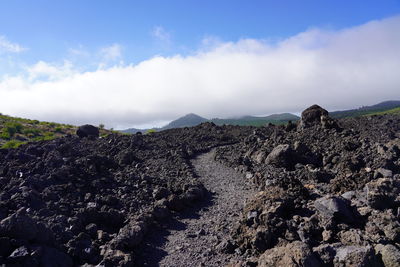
<point x="10" y="129"/>
<point x="377" y="109"/>
<point x="394" y="111"/>
<point x="150" y="131"/>
<point x="58" y="129"/>
<point x="18" y="131"/>
<point x="13" y="144"/>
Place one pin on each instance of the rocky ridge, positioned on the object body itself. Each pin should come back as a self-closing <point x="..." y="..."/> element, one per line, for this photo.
<point x="328" y="193"/>
<point x="74" y="201"/>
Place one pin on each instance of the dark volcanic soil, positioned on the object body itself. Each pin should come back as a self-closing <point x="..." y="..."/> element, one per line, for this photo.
<point x="75" y="201"/>
<point x="327" y="194"/>
<point x="201" y="235"/>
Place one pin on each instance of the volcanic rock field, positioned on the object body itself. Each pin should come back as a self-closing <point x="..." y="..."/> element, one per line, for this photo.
<point x="320" y="192"/>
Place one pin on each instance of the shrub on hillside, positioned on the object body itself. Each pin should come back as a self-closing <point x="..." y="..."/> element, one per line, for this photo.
<point x="13" y="144"/>
<point x="58" y="129"/>
<point x="31" y="132"/>
<point x="150" y="131"/>
<point x="10" y="129"/>
<point x="5" y="135"/>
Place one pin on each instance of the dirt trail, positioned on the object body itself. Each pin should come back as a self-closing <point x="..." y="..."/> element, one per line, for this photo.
<point x="194" y="237"/>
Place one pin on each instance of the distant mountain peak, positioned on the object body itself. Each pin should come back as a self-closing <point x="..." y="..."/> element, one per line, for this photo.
<point x="188" y="120"/>
<point x="191" y="115"/>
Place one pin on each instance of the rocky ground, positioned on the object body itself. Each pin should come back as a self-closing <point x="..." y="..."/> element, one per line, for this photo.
<point x="88" y="200"/>
<point x="327" y="194"/>
<point x="200" y="235"/>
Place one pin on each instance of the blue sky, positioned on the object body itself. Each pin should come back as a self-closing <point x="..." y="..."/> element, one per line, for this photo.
<point x="51" y="28"/>
<point x="47" y="41"/>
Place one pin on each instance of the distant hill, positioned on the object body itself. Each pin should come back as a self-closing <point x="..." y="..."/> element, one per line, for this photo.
<point x="188" y="120"/>
<point x="366" y="110"/>
<point x="258" y="121"/>
<point x="192" y="119"/>
<point x="394" y="111"/>
<point x="133" y="130"/>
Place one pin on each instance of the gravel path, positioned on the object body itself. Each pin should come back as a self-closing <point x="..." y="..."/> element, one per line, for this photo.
<point x="194" y="237"/>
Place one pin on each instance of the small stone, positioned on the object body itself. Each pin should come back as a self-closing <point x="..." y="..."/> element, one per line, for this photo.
<point x="326" y="235"/>
<point x="385" y="172"/>
<point x="201" y="232"/>
<point x="390" y="255"/>
<point x="91" y="229"/>
<point x="19" y="253"/>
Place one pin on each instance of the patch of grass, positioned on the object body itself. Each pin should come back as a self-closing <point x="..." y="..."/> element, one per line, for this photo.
<point x="10" y="129"/>
<point x="58" y="129"/>
<point x="151" y="131"/>
<point x="13" y="144"/>
<point x="390" y="111"/>
<point x="52" y="124"/>
<point x="5" y="135"/>
<point x="16" y="131"/>
<point x="31" y="132"/>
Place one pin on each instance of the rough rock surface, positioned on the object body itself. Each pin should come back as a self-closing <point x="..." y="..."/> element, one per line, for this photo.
<point x="328" y="194"/>
<point x="292" y="255"/>
<point x="92" y="200"/>
<point x="336" y="192"/>
<point x="201" y="235"/>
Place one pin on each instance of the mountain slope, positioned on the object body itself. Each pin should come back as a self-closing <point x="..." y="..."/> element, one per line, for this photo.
<point x="191" y="119"/>
<point x="258" y="121"/>
<point x="380" y="107"/>
<point x="188" y="120"/>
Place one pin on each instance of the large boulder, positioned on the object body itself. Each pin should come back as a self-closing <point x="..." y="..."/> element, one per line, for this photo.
<point x="383" y="193"/>
<point x="19" y="226"/>
<point x="337" y="208"/>
<point x="87" y="130"/>
<point x="313" y="114"/>
<point x="281" y="156"/>
<point x="355" y="256"/>
<point x="54" y="257"/>
<point x="316" y="115"/>
<point x="130" y="236"/>
<point x="292" y="255"/>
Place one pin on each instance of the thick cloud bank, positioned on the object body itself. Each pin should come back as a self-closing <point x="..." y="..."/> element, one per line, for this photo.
<point x="336" y="69"/>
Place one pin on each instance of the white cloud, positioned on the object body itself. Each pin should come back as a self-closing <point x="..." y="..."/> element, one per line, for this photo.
<point x="50" y="72"/>
<point x="9" y="47"/>
<point x="160" y="34"/>
<point x="79" y="51"/>
<point x="111" y="53"/>
<point x="336" y="69"/>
